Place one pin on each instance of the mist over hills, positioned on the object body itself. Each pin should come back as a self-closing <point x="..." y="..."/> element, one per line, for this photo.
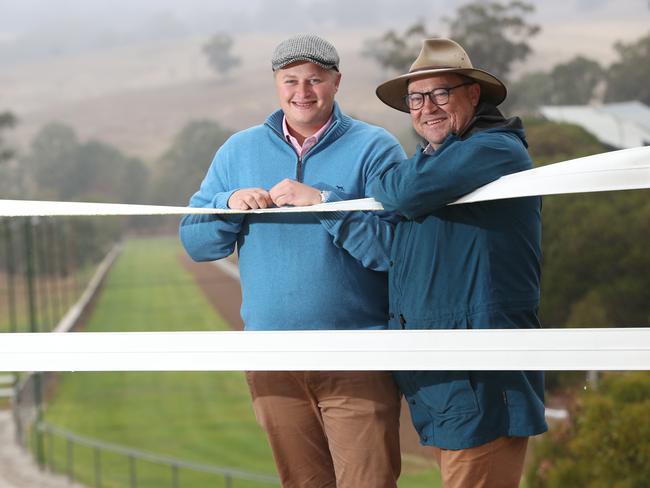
<point x="37" y="29"/>
<point x="132" y="73"/>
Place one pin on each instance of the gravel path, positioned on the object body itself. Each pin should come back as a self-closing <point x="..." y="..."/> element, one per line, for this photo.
<point x="17" y="467"/>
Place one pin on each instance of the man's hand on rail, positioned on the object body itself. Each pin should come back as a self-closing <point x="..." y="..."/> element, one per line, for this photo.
<point x="250" y="199"/>
<point x="291" y="192"/>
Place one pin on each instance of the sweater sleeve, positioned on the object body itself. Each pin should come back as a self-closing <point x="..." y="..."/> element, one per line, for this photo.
<point x="424" y="183"/>
<point x="366" y="236"/>
<point x="210" y="237"/>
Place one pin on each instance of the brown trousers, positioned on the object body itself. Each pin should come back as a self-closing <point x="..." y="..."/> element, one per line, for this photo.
<point x="497" y="464"/>
<point x="330" y="429"/>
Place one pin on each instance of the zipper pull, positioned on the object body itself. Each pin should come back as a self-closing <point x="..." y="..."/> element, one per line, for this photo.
<point x="299" y="170"/>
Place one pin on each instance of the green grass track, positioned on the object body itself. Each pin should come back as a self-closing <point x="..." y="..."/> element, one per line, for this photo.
<point x="201" y="417"/>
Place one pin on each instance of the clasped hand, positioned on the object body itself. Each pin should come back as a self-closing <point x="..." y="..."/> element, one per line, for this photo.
<point x="287" y="192"/>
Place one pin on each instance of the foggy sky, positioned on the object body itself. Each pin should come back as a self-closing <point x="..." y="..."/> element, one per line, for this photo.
<point x="24" y="17"/>
<point x="33" y="30"/>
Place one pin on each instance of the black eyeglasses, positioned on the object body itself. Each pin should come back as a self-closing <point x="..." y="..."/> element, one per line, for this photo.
<point x="439" y="96"/>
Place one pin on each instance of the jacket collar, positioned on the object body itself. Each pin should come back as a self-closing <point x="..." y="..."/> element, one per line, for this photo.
<point x="487" y="117"/>
<point x="340" y="123"/>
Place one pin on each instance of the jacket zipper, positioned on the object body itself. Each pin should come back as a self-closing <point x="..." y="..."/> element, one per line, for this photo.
<point x="299" y="165"/>
<point x="299" y="170"/>
<point x="397" y="280"/>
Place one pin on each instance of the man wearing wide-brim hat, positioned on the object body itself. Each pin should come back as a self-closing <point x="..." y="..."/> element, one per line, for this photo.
<point x="472" y="266"/>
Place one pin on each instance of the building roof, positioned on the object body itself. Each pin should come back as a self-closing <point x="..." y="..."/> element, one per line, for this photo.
<point x="620" y="125"/>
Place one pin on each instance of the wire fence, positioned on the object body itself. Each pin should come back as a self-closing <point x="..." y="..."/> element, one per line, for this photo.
<point x="41" y="273"/>
<point x="45" y="264"/>
<point x="114" y="465"/>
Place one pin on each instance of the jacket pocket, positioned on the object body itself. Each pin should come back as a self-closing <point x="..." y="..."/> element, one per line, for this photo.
<point x="447" y="393"/>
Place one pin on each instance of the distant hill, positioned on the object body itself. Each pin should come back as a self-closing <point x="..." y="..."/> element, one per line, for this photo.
<point x="138" y="96"/>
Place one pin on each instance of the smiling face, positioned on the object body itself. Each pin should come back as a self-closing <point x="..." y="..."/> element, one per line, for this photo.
<point x="435" y="123"/>
<point x="306" y="92"/>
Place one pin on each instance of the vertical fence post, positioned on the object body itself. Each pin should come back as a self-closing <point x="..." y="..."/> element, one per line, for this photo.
<point x="65" y="268"/>
<point x="42" y="274"/>
<point x="174" y="476"/>
<point x="17" y="400"/>
<point x="133" y="473"/>
<point x="98" y="468"/>
<point x="50" y="450"/>
<point x="70" y="459"/>
<point x="10" y="269"/>
<point x="33" y="327"/>
<point x="228" y="479"/>
<point x="55" y="269"/>
<point x="29" y="275"/>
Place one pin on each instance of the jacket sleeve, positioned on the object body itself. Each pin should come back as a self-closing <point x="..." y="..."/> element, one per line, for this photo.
<point x="424" y="183"/>
<point x="366" y="236"/>
<point x="210" y="237"/>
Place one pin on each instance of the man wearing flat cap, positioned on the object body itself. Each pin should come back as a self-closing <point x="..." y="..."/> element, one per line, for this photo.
<point x="471" y="266"/>
<point x="309" y="271"/>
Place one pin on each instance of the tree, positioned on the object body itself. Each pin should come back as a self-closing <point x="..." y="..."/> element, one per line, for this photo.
<point x="528" y="93"/>
<point x="575" y="82"/>
<point x="182" y="168"/>
<point x="61" y="167"/>
<point x="594" y="268"/>
<point x="7" y="121"/>
<point x="572" y="83"/>
<point x="217" y="50"/>
<point x="607" y="442"/>
<point x="52" y="159"/>
<point x="394" y="52"/>
<point x="627" y="79"/>
<point x="495" y="35"/>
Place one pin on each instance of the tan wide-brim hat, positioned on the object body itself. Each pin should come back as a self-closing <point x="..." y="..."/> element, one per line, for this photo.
<point x="439" y="56"/>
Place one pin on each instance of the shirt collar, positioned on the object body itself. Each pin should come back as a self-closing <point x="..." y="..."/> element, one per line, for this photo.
<point x="310" y="141"/>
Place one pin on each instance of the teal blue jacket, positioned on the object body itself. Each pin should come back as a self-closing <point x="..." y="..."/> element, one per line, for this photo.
<point x="471" y="266"/>
<point x="301" y="271"/>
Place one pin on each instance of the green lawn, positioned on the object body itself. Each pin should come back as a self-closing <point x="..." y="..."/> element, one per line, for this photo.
<point x="201" y="417"/>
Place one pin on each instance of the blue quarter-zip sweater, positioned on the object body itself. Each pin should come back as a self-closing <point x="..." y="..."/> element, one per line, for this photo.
<point x="471" y="266"/>
<point x="301" y="271"/>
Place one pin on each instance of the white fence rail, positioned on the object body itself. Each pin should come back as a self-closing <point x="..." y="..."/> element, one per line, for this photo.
<point x="494" y="349"/>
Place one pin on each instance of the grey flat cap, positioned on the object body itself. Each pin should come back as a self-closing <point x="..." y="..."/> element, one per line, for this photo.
<point x="305" y="47"/>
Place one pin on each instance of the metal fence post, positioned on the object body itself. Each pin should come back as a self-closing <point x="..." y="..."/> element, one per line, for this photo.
<point x="98" y="468"/>
<point x="10" y="269"/>
<point x="65" y="268"/>
<point x="33" y="327"/>
<point x="50" y="450"/>
<point x="70" y="458"/>
<point x="16" y="414"/>
<point x="55" y="269"/>
<point x="29" y="275"/>
<point x="133" y="473"/>
<point x="42" y="281"/>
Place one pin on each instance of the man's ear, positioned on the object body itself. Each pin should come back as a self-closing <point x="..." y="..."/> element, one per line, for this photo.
<point x="475" y="94"/>
<point x="337" y="80"/>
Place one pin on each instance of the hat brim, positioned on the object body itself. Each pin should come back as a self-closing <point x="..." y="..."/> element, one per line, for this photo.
<point x="392" y="92"/>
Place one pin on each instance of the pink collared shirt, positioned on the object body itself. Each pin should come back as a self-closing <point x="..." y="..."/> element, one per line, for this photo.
<point x="309" y="141"/>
